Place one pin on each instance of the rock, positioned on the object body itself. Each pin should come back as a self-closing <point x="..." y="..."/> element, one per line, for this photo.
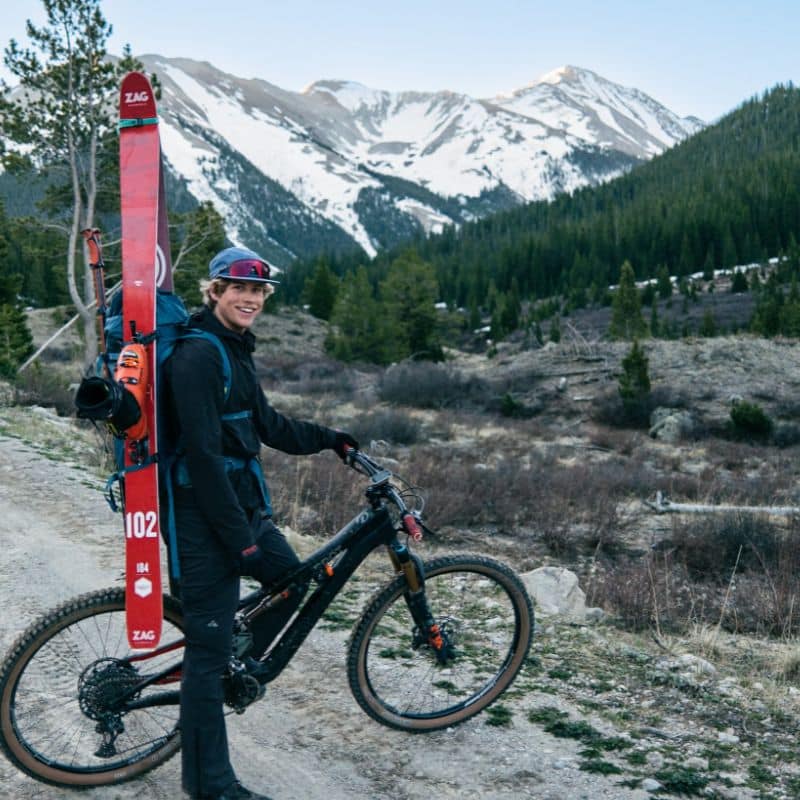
<point x="671" y="425"/>
<point x="655" y="760"/>
<point x="650" y="785"/>
<point x="723" y="737"/>
<point x="689" y="664"/>
<point x="6" y="394"/>
<point x="555" y="591"/>
<point x="594" y="614"/>
<point x="734" y="778"/>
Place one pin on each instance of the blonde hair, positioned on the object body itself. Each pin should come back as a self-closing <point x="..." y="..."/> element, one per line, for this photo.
<point x="217" y="286"/>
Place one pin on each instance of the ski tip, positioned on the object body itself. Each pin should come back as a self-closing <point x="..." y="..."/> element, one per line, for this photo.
<point x="137" y="102"/>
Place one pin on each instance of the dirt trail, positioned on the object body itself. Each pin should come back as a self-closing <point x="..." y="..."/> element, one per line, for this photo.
<point x="307" y="740"/>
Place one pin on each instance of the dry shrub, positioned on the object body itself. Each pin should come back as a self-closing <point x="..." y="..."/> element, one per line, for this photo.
<point x="736" y="573"/>
<point x="314" y="495"/>
<point x="455" y="487"/>
<point x="45" y="386"/>
<point x="712" y="546"/>
<point x="624" y="442"/>
<point x="786" y="434"/>
<point x="750" y="474"/>
<point x="568" y="507"/>
<point x="387" y="424"/>
<point x="650" y="591"/>
<point x="669" y="396"/>
<point x="610" y="409"/>
<point x="427" y="385"/>
<point x="623" y="589"/>
<point x="307" y="377"/>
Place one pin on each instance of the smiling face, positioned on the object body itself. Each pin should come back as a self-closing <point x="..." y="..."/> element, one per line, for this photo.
<point x="238" y="303"/>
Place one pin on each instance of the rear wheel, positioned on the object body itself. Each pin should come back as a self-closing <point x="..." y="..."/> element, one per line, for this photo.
<point x="485" y="617"/>
<point x="59" y="691"/>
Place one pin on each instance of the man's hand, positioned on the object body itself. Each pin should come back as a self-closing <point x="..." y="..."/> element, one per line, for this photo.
<point x="343" y="442"/>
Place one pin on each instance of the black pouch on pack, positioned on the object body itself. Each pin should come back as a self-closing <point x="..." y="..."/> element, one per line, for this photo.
<point x="104" y="400"/>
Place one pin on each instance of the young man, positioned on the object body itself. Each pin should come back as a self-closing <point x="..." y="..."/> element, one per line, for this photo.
<point x="222" y="508"/>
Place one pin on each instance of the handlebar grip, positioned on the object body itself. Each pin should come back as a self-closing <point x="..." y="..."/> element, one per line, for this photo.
<point x="412" y="527"/>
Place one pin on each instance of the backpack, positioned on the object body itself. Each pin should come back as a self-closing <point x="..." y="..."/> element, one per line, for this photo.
<point x="171" y="327"/>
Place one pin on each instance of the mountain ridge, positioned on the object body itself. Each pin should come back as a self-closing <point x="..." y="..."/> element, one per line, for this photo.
<point x="370" y="167"/>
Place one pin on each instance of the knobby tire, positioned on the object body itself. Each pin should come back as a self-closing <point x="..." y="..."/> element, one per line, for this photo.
<point x="44" y="730"/>
<point x="488" y="617"/>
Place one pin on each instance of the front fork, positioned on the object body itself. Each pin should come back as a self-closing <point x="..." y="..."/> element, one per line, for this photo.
<point x="428" y="631"/>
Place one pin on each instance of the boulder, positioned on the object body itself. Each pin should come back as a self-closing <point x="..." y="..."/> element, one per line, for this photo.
<point x="6" y="394"/>
<point x="672" y="425"/>
<point x="555" y="591"/>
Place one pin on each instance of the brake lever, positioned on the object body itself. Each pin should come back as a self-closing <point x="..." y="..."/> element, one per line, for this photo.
<point x="428" y="531"/>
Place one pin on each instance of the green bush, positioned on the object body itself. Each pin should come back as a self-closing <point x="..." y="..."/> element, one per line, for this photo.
<point x="749" y="419"/>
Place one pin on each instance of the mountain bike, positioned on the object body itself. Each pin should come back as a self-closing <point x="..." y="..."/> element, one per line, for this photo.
<point x="432" y="648"/>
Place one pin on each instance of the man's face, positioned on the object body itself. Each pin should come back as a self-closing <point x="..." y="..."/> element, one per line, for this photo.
<point x="239" y="304"/>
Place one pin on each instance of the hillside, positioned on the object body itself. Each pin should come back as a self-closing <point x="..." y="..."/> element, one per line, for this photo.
<point x="689" y="682"/>
<point x="342" y="166"/>
<point x="727" y="195"/>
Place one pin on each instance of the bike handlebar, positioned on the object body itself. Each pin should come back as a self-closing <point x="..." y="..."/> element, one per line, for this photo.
<point x="381" y="477"/>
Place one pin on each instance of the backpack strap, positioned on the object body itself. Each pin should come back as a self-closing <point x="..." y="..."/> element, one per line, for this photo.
<point x="197" y="333"/>
<point x="175" y="471"/>
<point x="178" y="475"/>
<point x="171" y="465"/>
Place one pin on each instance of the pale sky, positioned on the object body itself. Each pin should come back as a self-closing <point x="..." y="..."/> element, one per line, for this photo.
<point x="700" y="57"/>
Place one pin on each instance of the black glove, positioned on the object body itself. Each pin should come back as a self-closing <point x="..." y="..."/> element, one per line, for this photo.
<point x="342" y="443"/>
<point x="253" y="563"/>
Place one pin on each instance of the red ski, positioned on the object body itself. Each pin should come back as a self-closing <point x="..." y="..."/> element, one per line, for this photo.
<point x="140" y="181"/>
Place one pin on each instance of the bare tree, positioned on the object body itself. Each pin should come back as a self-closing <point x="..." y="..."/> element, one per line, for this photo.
<point x="58" y="119"/>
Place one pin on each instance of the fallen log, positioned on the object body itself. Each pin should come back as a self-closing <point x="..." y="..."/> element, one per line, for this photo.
<point x="663" y="505"/>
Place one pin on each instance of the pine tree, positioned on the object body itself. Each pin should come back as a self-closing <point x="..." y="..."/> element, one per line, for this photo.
<point x="320" y="290"/>
<point x="474" y="321"/>
<point x="634" y="383"/>
<point x="496" y="328"/>
<point x="664" y="283"/>
<point x="627" y="321"/>
<point x="359" y="331"/>
<point x="708" y="325"/>
<point x="16" y="342"/>
<point x="408" y="296"/>
<point x="739" y="282"/>
<point x="655" y="327"/>
<point x="555" y="329"/>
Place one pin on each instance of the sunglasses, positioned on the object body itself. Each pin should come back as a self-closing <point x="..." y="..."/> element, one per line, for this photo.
<point x="248" y="268"/>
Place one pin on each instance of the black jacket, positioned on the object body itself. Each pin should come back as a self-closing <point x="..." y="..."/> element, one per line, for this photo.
<point x="195" y="390"/>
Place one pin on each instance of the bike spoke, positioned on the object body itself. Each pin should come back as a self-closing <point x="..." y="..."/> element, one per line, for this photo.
<point x="48" y="714"/>
<point x="481" y="611"/>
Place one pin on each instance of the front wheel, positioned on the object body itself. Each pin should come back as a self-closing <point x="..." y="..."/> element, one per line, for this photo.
<point x="61" y="717"/>
<point x="486" y="620"/>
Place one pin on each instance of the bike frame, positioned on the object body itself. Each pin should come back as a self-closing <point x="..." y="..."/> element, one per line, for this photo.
<point x="331" y="566"/>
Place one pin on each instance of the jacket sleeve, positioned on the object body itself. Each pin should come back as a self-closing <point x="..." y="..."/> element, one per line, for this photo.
<point x="195" y="373"/>
<point x="290" y="435"/>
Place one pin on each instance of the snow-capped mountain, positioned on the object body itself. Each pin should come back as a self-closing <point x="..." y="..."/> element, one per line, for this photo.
<point x="340" y="163"/>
